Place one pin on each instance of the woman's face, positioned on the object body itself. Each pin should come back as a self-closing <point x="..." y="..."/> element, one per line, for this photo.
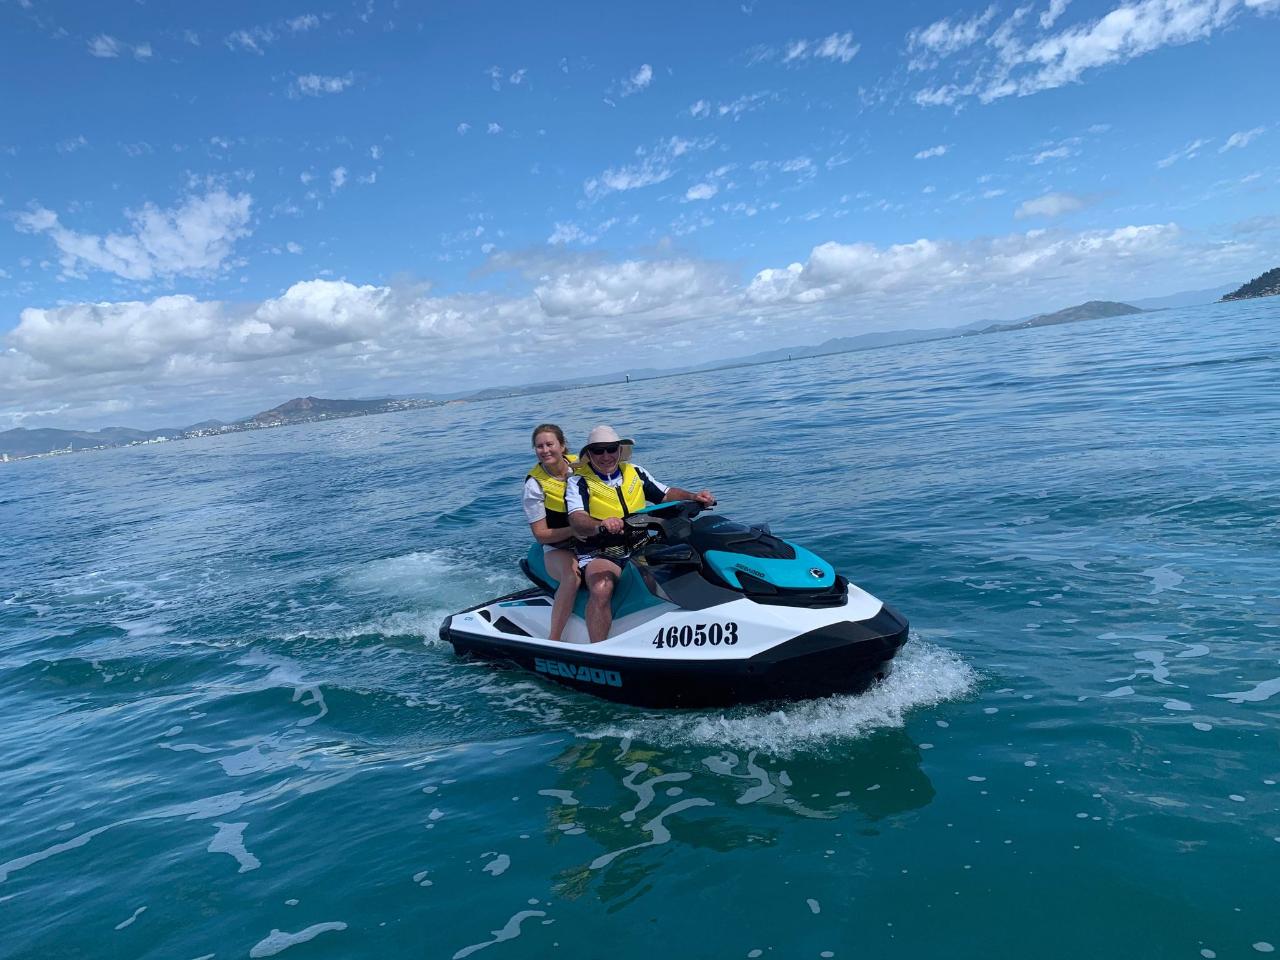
<point x="548" y="447"/>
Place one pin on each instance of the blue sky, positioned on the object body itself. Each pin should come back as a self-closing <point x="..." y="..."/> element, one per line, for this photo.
<point x="208" y="209"/>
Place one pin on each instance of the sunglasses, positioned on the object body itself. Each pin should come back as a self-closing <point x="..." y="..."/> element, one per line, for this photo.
<point x="603" y="448"/>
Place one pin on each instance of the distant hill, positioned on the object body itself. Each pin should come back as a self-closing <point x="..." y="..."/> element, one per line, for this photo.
<point x="1267" y="285"/>
<point x="311" y="408"/>
<point x="20" y="442"/>
<point x="1186" y="298"/>
<point x="1092" y="310"/>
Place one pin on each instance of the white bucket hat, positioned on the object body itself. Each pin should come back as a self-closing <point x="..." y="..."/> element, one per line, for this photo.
<point x="605" y="434"/>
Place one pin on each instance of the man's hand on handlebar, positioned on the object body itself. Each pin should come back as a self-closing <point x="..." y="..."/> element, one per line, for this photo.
<point x="705" y="498"/>
<point x="612" y="525"/>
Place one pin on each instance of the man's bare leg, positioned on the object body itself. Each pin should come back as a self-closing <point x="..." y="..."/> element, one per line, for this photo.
<point x="600" y="575"/>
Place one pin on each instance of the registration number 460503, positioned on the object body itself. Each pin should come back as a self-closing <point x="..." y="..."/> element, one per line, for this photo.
<point x="697" y="635"/>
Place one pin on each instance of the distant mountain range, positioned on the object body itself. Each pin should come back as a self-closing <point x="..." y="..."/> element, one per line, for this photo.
<point x="21" y="442"/>
<point x="1267" y="285"/>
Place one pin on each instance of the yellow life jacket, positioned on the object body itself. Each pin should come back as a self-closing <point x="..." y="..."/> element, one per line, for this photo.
<point x="553" y="492"/>
<point x="605" y="501"/>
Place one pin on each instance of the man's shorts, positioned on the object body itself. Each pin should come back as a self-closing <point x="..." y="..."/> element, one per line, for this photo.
<point x="620" y="558"/>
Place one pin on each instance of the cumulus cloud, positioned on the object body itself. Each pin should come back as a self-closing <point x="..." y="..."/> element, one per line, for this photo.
<point x="1014" y="60"/>
<point x="947" y="269"/>
<point x="194" y="238"/>
<point x="337" y="178"/>
<point x="344" y="337"/>
<point x="638" y="80"/>
<point x="937" y="151"/>
<point x="72" y="144"/>
<point x="1241" y="138"/>
<point x="315" y="85"/>
<point x="701" y="191"/>
<point x="702" y="108"/>
<point x="1051" y="205"/>
<point x="303" y="23"/>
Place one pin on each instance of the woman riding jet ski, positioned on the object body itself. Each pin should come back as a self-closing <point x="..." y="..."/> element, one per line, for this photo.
<point x="710" y="613"/>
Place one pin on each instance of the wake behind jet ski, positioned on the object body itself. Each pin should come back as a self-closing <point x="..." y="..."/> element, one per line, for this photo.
<point x="710" y="613"/>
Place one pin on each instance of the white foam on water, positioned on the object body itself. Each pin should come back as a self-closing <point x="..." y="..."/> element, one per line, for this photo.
<point x="509" y="932"/>
<point x="658" y="830"/>
<point x="420" y="878"/>
<point x="814" y="907"/>
<point x="1262" y="691"/>
<point x="230" y="840"/>
<point x="125" y="923"/>
<point x="498" y="865"/>
<point x="923" y="676"/>
<point x="1163" y="578"/>
<point x="1176" y="705"/>
<point x="644" y="790"/>
<point x="279" y="940"/>
<point x="566" y="797"/>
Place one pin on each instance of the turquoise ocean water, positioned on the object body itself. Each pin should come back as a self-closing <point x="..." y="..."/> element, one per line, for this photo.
<point x="227" y="728"/>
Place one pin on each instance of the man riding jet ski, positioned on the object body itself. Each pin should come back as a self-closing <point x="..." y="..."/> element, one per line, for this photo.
<point x="709" y="613"/>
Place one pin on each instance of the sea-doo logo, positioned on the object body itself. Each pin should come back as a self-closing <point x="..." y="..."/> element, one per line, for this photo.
<point x="554" y="668"/>
<point x="816" y="573"/>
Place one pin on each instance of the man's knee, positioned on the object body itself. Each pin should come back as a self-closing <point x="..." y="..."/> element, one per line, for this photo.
<point x="600" y="584"/>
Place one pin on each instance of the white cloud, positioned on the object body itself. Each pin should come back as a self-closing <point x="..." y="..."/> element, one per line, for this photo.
<point x="253" y="40"/>
<point x="1189" y="152"/>
<point x="700" y="109"/>
<point x="621" y="289"/>
<point x="293" y="247"/>
<point x="193" y="239"/>
<point x="72" y="144"/>
<point x="518" y="77"/>
<point x="375" y="152"/>
<point x="178" y="358"/>
<point x="937" y="151"/>
<point x="495" y="128"/>
<point x="943" y="38"/>
<point x="1050" y="16"/>
<point x="836" y="46"/>
<point x="105" y="46"/>
<point x="1241" y="138"/>
<point x="1053" y="153"/>
<point x="315" y="85"/>
<point x="463" y="128"/>
<point x="655" y="165"/>
<point x="565" y="233"/>
<point x="933" y="271"/>
<point x="639" y="80"/>
<point x="1051" y="205"/>
<point x="337" y="178"/>
<point x="1016" y="62"/>
<point x="303" y="23"/>
<point x="191" y="37"/>
<point x="701" y="191"/>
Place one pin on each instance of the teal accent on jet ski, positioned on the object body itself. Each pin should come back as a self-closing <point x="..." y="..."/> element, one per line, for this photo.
<point x="795" y="574"/>
<point x="629" y="596"/>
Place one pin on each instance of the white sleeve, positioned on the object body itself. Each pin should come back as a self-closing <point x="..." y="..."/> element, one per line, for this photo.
<point x="534" y="501"/>
<point x="573" y="494"/>
<point x="648" y="481"/>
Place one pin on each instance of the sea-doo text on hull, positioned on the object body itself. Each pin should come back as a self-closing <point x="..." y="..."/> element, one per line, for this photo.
<point x="712" y="613"/>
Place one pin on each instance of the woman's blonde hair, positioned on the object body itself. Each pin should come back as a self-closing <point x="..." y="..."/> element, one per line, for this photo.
<point x="549" y="428"/>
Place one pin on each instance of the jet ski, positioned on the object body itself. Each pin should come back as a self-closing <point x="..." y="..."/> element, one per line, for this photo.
<point x="709" y="613"/>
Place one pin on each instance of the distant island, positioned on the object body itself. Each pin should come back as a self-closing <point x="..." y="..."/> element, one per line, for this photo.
<point x="20" y="443"/>
<point x="1092" y="310"/>
<point x="1267" y="285"/>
